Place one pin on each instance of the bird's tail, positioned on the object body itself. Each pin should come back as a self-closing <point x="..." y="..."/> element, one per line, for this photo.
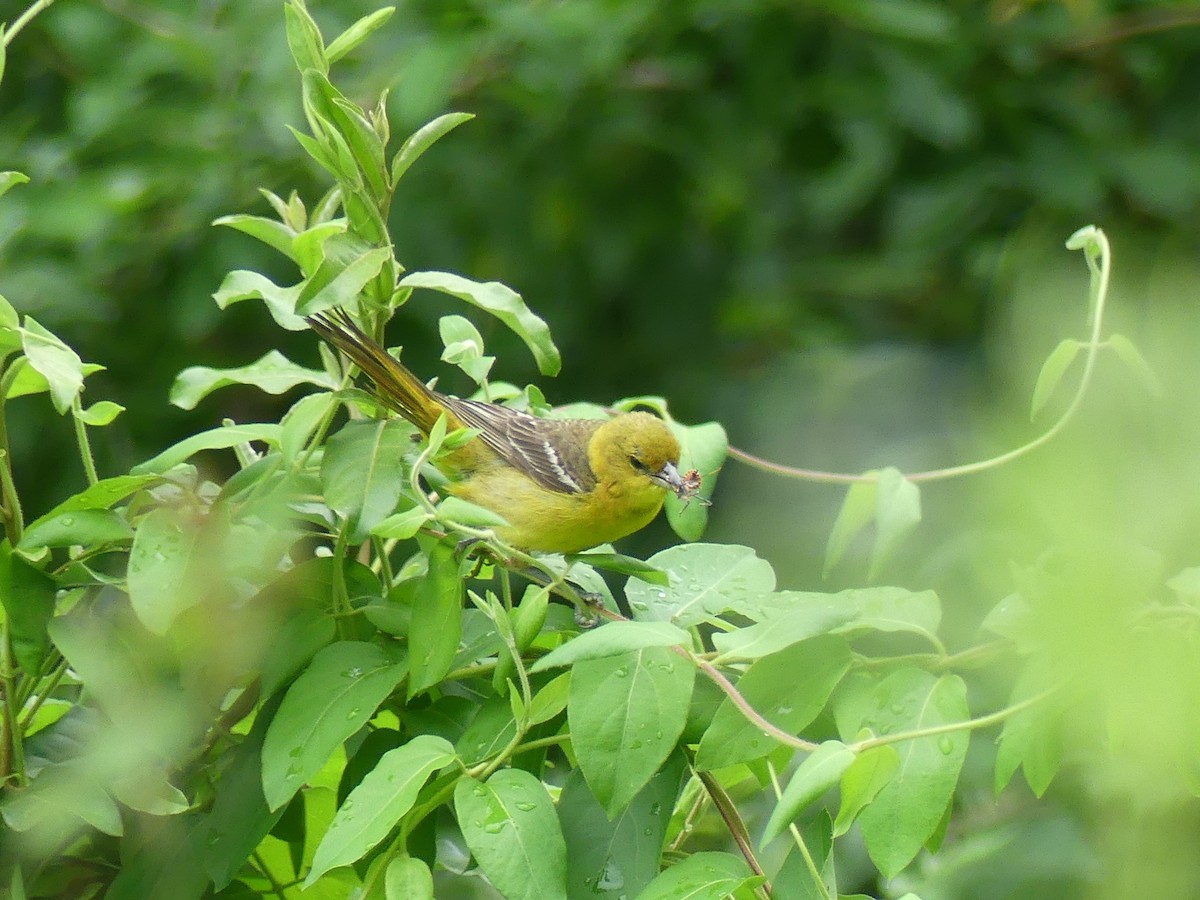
<point x="395" y="385"/>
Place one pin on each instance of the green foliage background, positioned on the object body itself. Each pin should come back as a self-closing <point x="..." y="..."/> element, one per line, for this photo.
<point x="835" y="228"/>
<point x="689" y="193"/>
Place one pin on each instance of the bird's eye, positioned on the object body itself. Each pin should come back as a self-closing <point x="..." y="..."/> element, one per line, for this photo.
<point x="637" y="464"/>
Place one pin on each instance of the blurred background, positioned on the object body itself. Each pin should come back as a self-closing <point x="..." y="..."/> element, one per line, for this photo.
<point x="836" y="227"/>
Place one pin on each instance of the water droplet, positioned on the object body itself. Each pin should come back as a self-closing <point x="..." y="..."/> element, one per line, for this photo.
<point x="353" y="672"/>
<point x="353" y="712"/>
<point x="946" y="744"/>
<point x="610" y="878"/>
<point x="635" y="745"/>
<point x="899" y="709"/>
<point x="68" y="521"/>
<point x="622" y="672"/>
<point x="480" y="791"/>
<point x="656" y="809"/>
<point x="495" y="827"/>
<point x="525" y="806"/>
<point x="662" y="595"/>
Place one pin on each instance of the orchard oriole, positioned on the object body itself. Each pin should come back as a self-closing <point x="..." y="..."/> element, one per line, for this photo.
<point x="563" y="485"/>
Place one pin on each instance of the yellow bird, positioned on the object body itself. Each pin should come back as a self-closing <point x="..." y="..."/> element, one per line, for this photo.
<point x="563" y="485"/>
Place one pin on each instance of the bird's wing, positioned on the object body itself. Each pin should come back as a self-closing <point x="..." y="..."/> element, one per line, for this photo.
<point x="553" y="452"/>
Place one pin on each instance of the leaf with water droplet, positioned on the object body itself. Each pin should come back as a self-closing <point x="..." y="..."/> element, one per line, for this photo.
<point x="512" y="830"/>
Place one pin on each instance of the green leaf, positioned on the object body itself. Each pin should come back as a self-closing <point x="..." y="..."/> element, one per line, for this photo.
<point x="272" y="233"/>
<point x="863" y="781"/>
<point x="771" y="687"/>
<point x="304" y="38"/>
<point x="503" y="303"/>
<point x="363" y="472"/>
<point x="464" y="512"/>
<point x="436" y="627"/>
<point x="626" y="713"/>
<point x="1135" y="362"/>
<point x="401" y="525"/>
<point x="273" y="373"/>
<point x="99" y="414"/>
<point x="794" y="879"/>
<point x="510" y="825"/>
<point x="408" y="878"/>
<point x="424" y="138"/>
<point x="858" y="509"/>
<point x="103" y="494"/>
<point x="1032" y="739"/>
<point x="220" y="438"/>
<point x="622" y="564"/>
<point x="55" y="361"/>
<point x="613" y="639"/>
<point x="907" y="811"/>
<point x="9" y="179"/>
<point x="239" y="818"/>
<point x="87" y="527"/>
<point x="776" y="633"/>
<point x="703" y="448"/>
<point x="818" y="773"/>
<point x="59" y="797"/>
<point x="280" y="301"/>
<point x="331" y="111"/>
<point x="357" y="33"/>
<point x="163" y="580"/>
<point x="706" y="580"/>
<point x="619" y="857"/>
<point x="300" y="423"/>
<point x="701" y="876"/>
<point x="1053" y="370"/>
<point x="338" y="283"/>
<point x="27" y="596"/>
<point x="550" y="700"/>
<point x="464" y="347"/>
<point x="381" y="799"/>
<point x="334" y="697"/>
<point x="897" y="512"/>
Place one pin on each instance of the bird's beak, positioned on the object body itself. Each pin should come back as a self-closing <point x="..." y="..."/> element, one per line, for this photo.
<point x="668" y="476"/>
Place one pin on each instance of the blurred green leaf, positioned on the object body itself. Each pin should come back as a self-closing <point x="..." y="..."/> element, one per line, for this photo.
<point x="856" y="513"/>
<point x="304" y="38"/>
<point x="897" y="512"/>
<point x="363" y="471"/>
<point x="1135" y="362"/>
<point x="863" y="780"/>
<point x="163" y="571"/>
<point x="9" y="180"/>
<point x="1052" y="372"/>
